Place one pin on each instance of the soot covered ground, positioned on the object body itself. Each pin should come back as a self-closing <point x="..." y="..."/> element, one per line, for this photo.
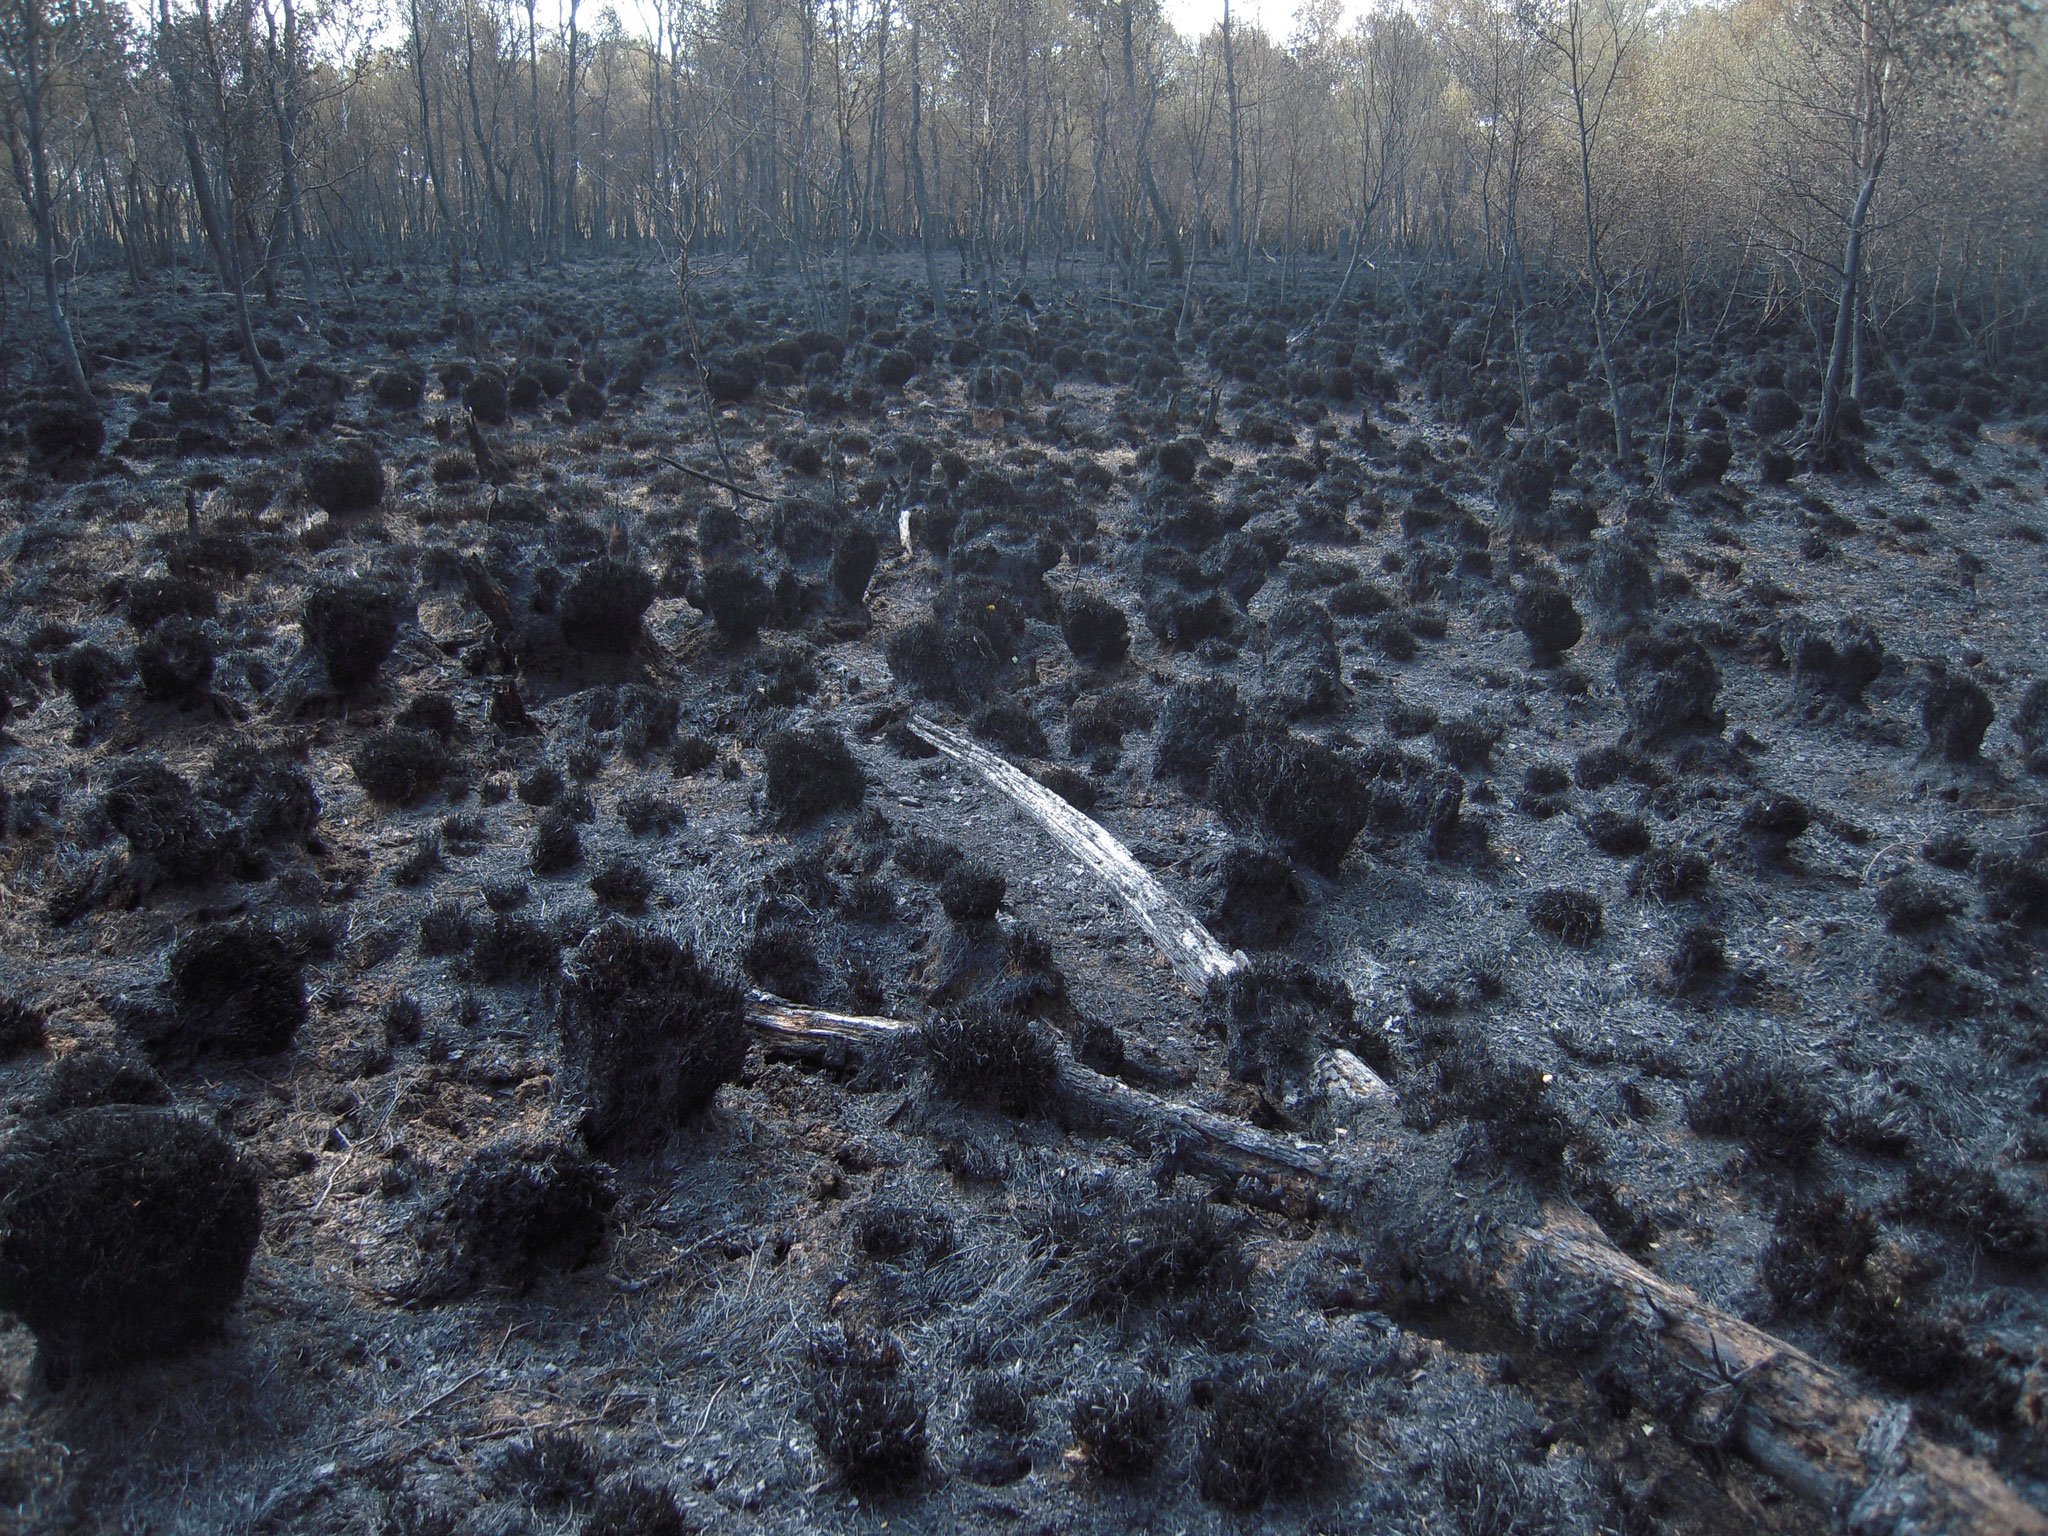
<point x="395" y="808"/>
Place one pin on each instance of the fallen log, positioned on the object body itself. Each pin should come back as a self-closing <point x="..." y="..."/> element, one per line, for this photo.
<point x="1197" y="959"/>
<point x="1857" y="1456"/>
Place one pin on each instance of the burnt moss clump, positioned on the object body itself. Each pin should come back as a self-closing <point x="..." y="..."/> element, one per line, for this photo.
<point x="972" y="892"/>
<point x="1271" y="1434"/>
<point x="184" y="837"/>
<point x="809" y="773"/>
<point x="347" y="478"/>
<point x="125" y="1234"/>
<point x="400" y="767"/>
<point x="993" y="1056"/>
<point x="520" y="1208"/>
<point x="174" y="661"/>
<point x="1294" y="789"/>
<point x="867" y="1413"/>
<point x="236" y="990"/>
<point x="1762" y="1100"/>
<point x="1572" y="916"/>
<point x="603" y="606"/>
<point x="1120" y="1423"/>
<point x="651" y="1031"/>
<point x="351" y="625"/>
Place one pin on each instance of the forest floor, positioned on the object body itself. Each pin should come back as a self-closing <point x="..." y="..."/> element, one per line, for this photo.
<point x="1783" y="1039"/>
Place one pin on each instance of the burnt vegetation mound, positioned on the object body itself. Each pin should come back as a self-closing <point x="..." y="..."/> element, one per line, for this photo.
<point x="1271" y="1435"/>
<point x="235" y="989"/>
<point x="399" y="766"/>
<point x="520" y="1208"/>
<point x="602" y="609"/>
<point x="984" y="1054"/>
<point x="351" y="626"/>
<point x="810" y="773"/>
<point x="125" y="1234"/>
<point x="1121" y="1424"/>
<point x="868" y="1414"/>
<point x="651" y="1031"/>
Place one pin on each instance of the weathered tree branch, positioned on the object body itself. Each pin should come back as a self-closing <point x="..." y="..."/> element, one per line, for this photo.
<point x="1197" y="959"/>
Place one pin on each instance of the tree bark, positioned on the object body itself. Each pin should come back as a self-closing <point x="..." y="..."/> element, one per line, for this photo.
<point x="32" y="180"/>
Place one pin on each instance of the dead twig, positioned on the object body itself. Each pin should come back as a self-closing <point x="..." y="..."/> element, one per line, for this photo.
<point x="711" y="479"/>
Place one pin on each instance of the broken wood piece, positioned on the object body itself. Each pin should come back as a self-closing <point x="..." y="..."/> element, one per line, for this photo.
<point x="1197" y="959"/>
<point x="1799" y="1419"/>
<point x="1346" y="1080"/>
<point x="791" y="1025"/>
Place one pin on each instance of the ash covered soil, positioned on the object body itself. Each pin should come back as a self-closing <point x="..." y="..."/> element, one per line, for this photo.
<point x="410" y="808"/>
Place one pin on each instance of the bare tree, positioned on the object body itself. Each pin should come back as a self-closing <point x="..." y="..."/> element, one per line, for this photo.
<point x="41" y="41"/>
<point x="1593" y="43"/>
<point x="202" y="70"/>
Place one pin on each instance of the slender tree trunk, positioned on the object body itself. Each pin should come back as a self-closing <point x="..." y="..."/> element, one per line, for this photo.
<point x="216" y="213"/>
<point x="1872" y="143"/>
<point x="569" y="231"/>
<point x="32" y="176"/>
<point x="924" y="211"/>
<point x="1624" y="439"/>
<point x="1827" y="427"/>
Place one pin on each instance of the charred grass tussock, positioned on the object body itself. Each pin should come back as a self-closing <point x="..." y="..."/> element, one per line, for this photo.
<point x="651" y="1031"/>
<point x="867" y="1413"/>
<point x="986" y="1054"/>
<point x="1766" y="1100"/>
<point x="1121" y="1424"/>
<point x="127" y="1234"/>
<point x="518" y="1209"/>
<point x="1270" y="1435"/>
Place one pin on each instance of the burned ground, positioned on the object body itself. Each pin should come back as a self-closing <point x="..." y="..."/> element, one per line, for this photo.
<point x="417" y="821"/>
